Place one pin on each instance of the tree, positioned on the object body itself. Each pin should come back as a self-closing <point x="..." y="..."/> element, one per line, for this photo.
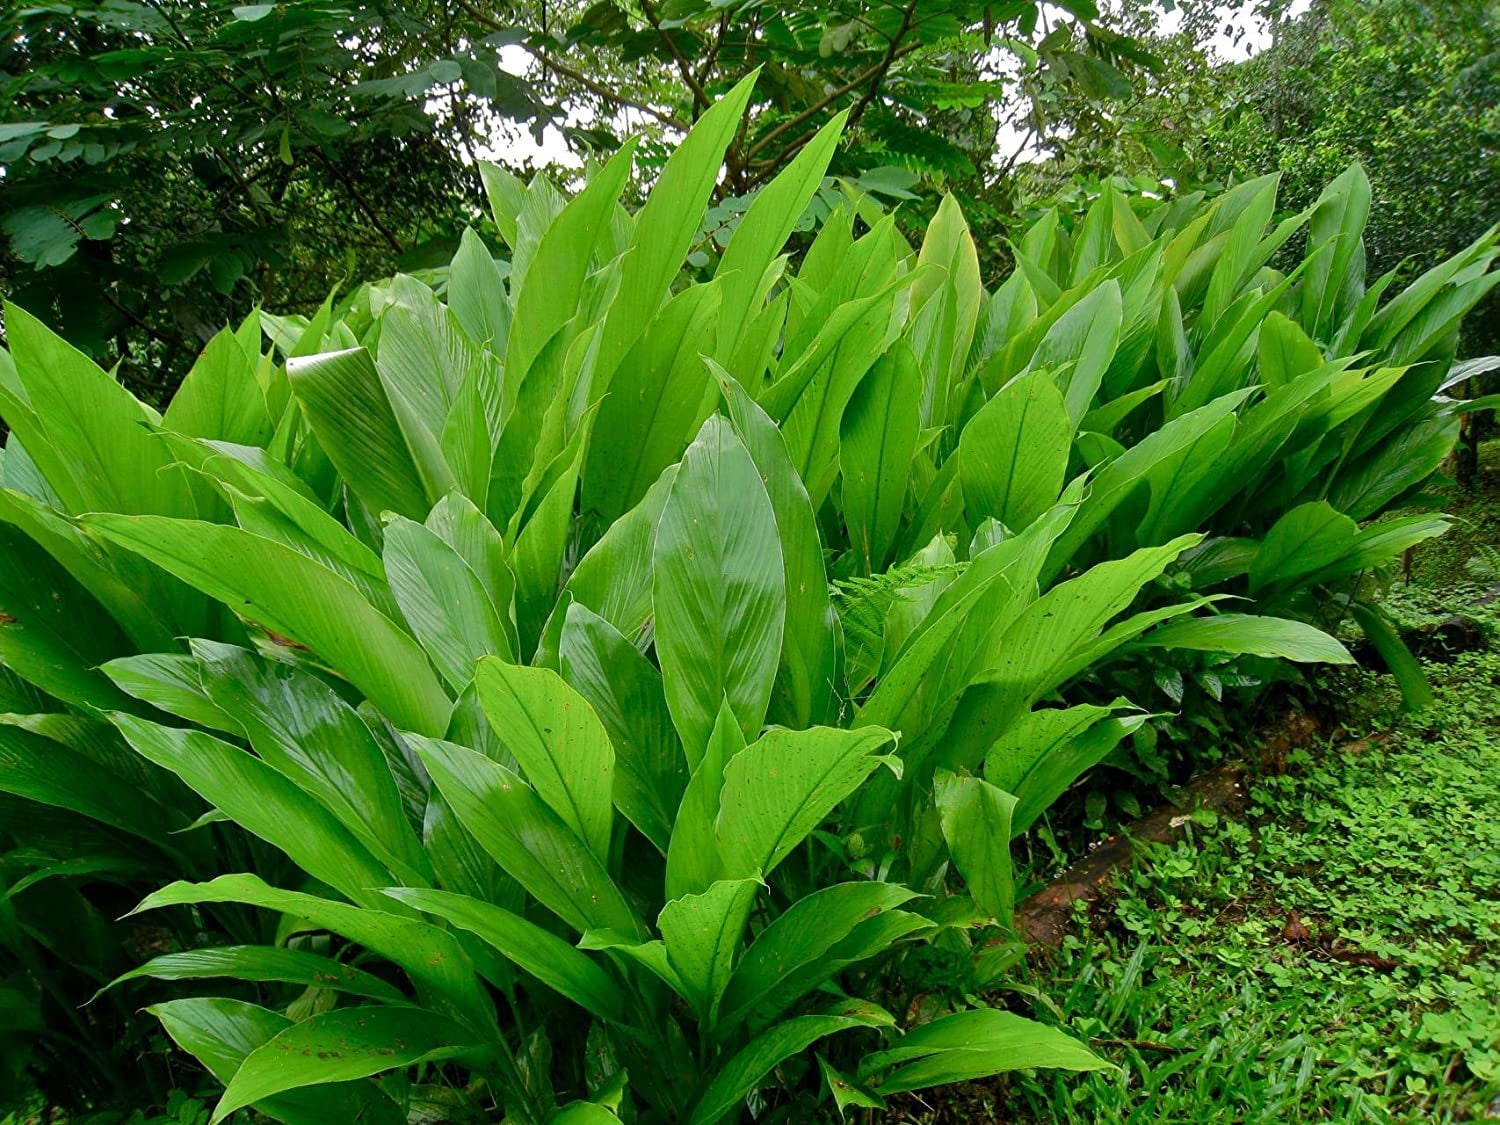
<point x="168" y="164"/>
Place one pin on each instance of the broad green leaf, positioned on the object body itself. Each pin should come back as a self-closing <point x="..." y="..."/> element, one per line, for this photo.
<point x="527" y="839"/>
<point x="542" y="544"/>
<point x="1416" y="693"/>
<point x="657" y="401"/>
<point x="719" y="589"/>
<point x="291" y="594"/>
<point x="1284" y="352"/>
<point x="781" y="787"/>
<point x="1244" y="633"/>
<point x="1304" y="540"/>
<point x="123" y="583"/>
<point x="553" y="282"/>
<point x="48" y="772"/>
<point x="220" y="1033"/>
<point x="562" y="747"/>
<point x="301" y="727"/>
<point x="1079" y="346"/>
<point x="976" y="823"/>
<point x="800" y="938"/>
<point x="763" y="231"/>
<point x="263" y="802"/>
<point x="350" y="412"/>
<point x="846" y="1092"/>
<point x="748" y="1068"/>
<point x="1013" y="454"/>
<point x="974" y="1044"/>
<point x="220" y="397"/>
<point x="803" y="692"/>
<point x="427" y="954"/>
<point x="263" y="963"/>
<point x="90" y="437"/>
<point x="945" y="308"/>
<point x="694" y="859"/>
<point x="170" y="682"/>
<point x="625" y="691"/>
<point x="668" y="223"/>
<point x="1042" y="753"/>
<point x="877" y="441"/>
<point x="538" y="951"/>
<point x="614" y="579"/>
<point x="702" y="933"/>
<point x="476" y="293"/>
<point x="341" y="1045"/>
<point x="444" y="601"/>
<point x="52" y="633"/>
<point x="1114" y="483"/>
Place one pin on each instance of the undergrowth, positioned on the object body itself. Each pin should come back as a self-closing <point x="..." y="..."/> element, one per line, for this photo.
<point x="1333" y="957"/>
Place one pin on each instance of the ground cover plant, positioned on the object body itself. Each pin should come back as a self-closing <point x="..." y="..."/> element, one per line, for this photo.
<point x="1373" y="1003"/>
<point x="580" y="689"/>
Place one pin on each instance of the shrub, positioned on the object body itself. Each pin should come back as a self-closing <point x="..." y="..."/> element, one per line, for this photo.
<point x="494" y="626"/>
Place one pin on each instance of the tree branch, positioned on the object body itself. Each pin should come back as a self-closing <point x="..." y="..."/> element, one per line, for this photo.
<point x="605" y="92"/>
<point x="892" y="53"/>
<point x="700" y="99"/>
<point x="876" y="73"/>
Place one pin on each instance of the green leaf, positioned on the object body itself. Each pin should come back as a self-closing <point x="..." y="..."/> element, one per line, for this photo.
<point x="1416" y="692"/>
<point x="694" y="861"/>
<point x="747" y="1069"/>
<point x="1304" y="540"/>
<point x="443" y="600"/>
<point x="847" y="1092"/>
<point x="562" y="747"/>
<point x="1043" y="752"/>
<point x="476" y="294"/>
<point x="341" y="1045"/>
<point x="976" y="823"/>
<point x="553" y="282"/>
<point x="974" y="1044"/>
<point x="1013" y="454"/>
<point x="803" y="691"/>
<point x="719" y="589"/>
<point x="220" y="1033"/>
<point x="625" y="691"/>
<point x="263" y="963"/>
<point x="221" y="398"/>
<point x="350" y="412"/>
<point x="615" y="578"/>
<point x="263" y="802"/>
<point x="781" y="787"/>
<point x="301" y="727"/>
<point x="877" y="442"/>
<point x="289" y="593"/>
<point x="428" y="955"/>
<point x="170" y="682"/>
<point x="763" y="230"/>
<point x="667" y="224"/>
<point x="42" y="770"/>
<point x="702" y="933"/>
<point x="657" y="401"/>
<point x="527" y="839"/>
<point x="538" y="951"/>
<point x="1245" y="633"/>
<point x="799" y="940"/>
<point x="1079" y="346"/>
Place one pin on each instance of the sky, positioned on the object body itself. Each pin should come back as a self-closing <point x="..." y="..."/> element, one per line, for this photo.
<point x="1242" y="34"/>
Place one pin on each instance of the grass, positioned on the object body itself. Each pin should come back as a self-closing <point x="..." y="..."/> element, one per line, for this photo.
<point x="1218" y="1008"/>
<point x="1335" y="956"/>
